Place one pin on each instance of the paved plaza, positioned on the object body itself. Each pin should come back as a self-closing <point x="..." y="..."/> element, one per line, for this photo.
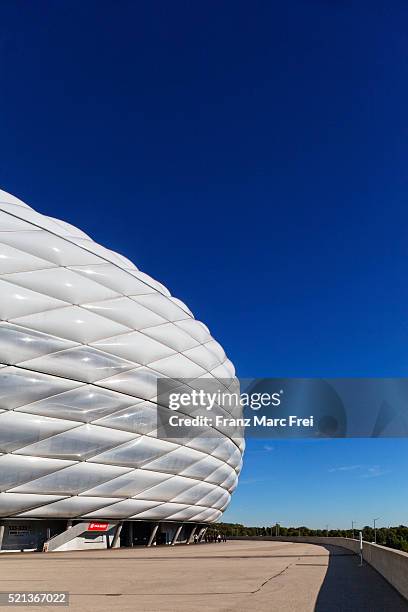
<point x="236" y="575"/>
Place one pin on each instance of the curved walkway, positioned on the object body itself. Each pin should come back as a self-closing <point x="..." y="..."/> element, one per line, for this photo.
<point x="240" y="576"/>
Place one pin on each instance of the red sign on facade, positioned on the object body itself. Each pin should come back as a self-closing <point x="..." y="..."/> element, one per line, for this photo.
<point x="98" y="526"/>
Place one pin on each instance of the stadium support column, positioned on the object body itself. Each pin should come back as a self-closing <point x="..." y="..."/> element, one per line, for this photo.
<point x="153" y="535"/>
<point x="192" y="534"/>
<point x="176" y="535"/>
<point x="201" y="533"/>
<point x="116" y="536"/>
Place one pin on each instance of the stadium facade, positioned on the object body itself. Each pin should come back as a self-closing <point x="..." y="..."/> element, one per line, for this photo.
<point x="84" y="335"/>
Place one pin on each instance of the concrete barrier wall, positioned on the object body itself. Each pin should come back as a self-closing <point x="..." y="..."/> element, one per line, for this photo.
<point x="391" y="564"/>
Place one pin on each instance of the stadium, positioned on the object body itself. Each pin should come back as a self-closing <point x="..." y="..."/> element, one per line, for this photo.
<point x="84" y="337"/>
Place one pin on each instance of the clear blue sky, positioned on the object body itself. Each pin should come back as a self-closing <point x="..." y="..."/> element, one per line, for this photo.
<point x="253" y="157"/>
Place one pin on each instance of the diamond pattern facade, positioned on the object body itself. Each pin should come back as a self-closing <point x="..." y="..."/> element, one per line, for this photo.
<point x="84" y="335"/>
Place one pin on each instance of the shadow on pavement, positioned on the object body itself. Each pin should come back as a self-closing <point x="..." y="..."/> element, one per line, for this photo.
<point x="350" y="588"/>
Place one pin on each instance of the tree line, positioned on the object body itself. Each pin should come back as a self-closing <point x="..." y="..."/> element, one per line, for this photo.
<point x="393" y="537"/>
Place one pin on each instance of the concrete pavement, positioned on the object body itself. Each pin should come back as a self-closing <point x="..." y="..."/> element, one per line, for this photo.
<point x="237" y="575"/>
